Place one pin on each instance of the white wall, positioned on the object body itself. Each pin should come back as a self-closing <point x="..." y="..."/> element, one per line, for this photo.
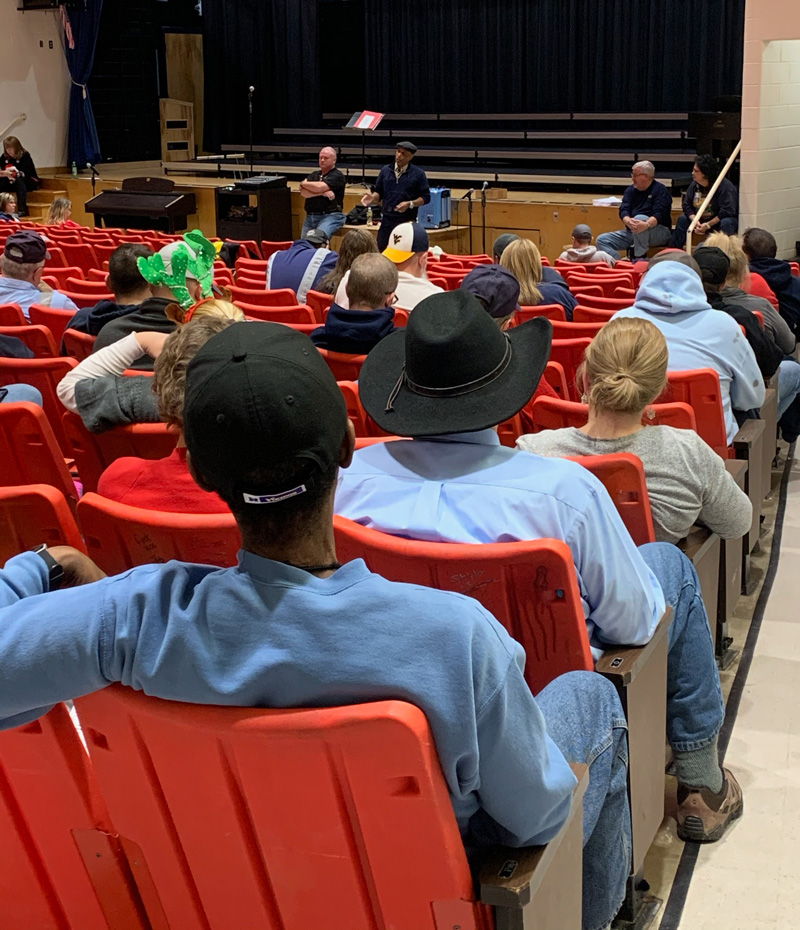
<point x="770" y="178"/>
<point x="34" y="80"/>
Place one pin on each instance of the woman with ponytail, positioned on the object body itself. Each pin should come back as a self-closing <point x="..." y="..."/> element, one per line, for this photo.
<point x="624" y="371"/>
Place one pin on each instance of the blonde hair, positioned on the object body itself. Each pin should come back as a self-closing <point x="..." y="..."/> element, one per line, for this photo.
<point x="625" y="367"/>
<point x="58" y="212"/>
<point x="523" y="260"/>
<point x="13" y="144"/>
<point x="732" y="247"/>
<point x="4" y="199"/>
<point x="180" y="347"/>
<point x="210" y="307"/>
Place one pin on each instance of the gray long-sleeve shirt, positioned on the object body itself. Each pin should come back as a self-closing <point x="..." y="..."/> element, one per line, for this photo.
<point x="774" y="324"/>
<point x="686" y="480"/>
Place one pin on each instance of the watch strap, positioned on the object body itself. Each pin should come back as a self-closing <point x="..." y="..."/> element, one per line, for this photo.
<point x="55" y="570"/>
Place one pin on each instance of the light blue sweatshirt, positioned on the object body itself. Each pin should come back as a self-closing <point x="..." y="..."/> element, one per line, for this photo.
<point x="672" y="296"/>
<point x="13" y="291"/>
<point x="265" y="634"/>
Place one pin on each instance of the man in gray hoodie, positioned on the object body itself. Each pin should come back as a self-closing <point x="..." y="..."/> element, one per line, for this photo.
<point x="582" y="250"/>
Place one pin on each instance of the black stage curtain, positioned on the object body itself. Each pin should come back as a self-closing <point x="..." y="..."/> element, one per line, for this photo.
<point x="270" y="44"/>
<point x="529" y="56"/>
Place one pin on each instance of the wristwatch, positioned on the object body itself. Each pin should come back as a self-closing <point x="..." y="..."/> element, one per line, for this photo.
<point x="54" y="568"/>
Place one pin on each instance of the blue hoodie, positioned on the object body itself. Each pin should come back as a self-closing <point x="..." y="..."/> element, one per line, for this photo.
<point x="672" y="296"/>
<point x="355" y="332"/>
<point x="778" y="274"/>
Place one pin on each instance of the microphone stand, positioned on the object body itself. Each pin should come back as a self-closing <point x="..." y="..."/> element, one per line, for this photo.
<point x="483" y="215"/>
<point x="469" y="213"/>
<point x="95" y="176"/>
<point x="250" y="108"/>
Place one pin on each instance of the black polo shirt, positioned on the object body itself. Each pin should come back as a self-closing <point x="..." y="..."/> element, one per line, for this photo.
<point x="336" y="182"/>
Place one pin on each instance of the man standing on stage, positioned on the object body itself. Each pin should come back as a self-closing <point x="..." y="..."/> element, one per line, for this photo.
<point x="323" y="192"/>
<point x="401" y="188"/>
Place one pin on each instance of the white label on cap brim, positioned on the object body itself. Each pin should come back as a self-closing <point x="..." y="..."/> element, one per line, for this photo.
<point x="273" y="498"/>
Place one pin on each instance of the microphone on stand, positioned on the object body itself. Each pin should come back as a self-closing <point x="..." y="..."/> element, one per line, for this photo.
<point x="95" y="176"/>
<point x="485" y="185"/>
<point x="250" y="91"/>
<point x="469" y="193"/>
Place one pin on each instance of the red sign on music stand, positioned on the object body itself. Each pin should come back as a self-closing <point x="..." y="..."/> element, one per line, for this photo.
<point x="364" y="121"/>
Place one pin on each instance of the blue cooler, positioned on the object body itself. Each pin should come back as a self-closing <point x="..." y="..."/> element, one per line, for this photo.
<point x="436" y="214"/>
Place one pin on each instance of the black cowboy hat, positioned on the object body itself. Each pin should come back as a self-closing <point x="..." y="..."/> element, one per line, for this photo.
<point x="452" y="370"/>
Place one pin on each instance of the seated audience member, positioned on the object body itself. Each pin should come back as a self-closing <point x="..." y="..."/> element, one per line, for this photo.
<point x="582" y="251"/>
<point x="355" y="242"/>
<point x="624" y="371"/>
<point x="671" y="295"/>
<point x="302" y="265"/>
<point x="761" y="249"/>
<point x="17" y="172"/>
<point x="523" y="260"/>
<point x="11" y="347"/>
<point x="408" y="249"/>
<point x="59" y="214"/>
<point x="166" y="484"/>
<point x="181" y="271"/>
<point x="323" y="192"/>
<point x="250" y="636"/>
<point x="714" y="267"/>
<point x="497" y="291"/>
<point x="721" y="213"/>
<point x="549" y="275"/>
<point x="22" y="265"/>
<point x="104" y="397"/>
<point x="371" y="293"/>
<point x="8" y="208"/>
<point x="453" y="482"/>
<point x="125" y="282"/>
<point x="646" y="212"/>
<point x="736" y="291"/>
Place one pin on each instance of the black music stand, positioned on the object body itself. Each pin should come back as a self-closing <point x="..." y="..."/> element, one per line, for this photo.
<point x="364" y="121"/>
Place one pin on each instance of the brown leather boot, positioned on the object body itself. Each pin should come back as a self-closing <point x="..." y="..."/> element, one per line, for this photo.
<point x="703" y="816"/>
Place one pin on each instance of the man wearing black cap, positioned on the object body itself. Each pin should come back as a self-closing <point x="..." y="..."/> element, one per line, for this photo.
<point x="22" y="266"/>
<point x="401" y="188"/>
<point x="266" y="428"/>
<point x="447" y="380"/>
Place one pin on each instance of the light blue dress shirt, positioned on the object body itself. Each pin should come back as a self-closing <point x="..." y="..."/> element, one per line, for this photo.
<point x="266" y="634"/>
<point x="468" y="488"/>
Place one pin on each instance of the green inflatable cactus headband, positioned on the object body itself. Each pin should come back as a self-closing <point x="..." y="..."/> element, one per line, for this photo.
<point x="199" y="261"/>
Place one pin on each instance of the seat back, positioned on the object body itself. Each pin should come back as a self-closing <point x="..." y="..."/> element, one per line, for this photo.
<point x="38" y="339"/>
<point x="345" y="367"/>
<point x="569" y="354"/>
<point x="576" y="330"/>
<point x="530" y="587"/>
<point x="320" y="303"/>
<point x="30" y="452"/>
<point x="57" y="277"/>
<point x="78" y="345"/>
<point x="118" y="536"/>
<point x="355" y="411"/>
<point x="35" y="513"/>
<point x="605" y="303"/>
<point x="12" y="315"/>
<point x="250" y="244"/>
<point x="55" y="319"/>
<point x="623" y="476"/>
<point x="82" y="255"/>
<point x="607" y="281"/>
<point x="267" y="247"/>
<point x="700" y="389"/>
<point x="43" y="374"/>
<point x="299" y="313"/>
<point x="556" y="377"/>
<point x="277" y="297"/>
<point x="61" y="864"/>
<point x="348" y="802"/>
<point x="94" y="452"/>
<point x="582" y="314"/>
<point x="554" y="312"/>
<point x="552" y="413"/>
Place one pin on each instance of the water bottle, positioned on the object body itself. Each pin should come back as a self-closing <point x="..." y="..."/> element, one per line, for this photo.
<point x="369" y="216"/>
<point x="74" y="169"/>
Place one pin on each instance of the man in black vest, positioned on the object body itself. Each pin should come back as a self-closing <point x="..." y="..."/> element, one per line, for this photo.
<point x="401" y="188"/>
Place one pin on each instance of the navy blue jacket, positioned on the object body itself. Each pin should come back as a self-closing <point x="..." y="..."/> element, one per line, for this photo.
<point x="11" y="347"/>
<point x="413" y="183"/>
<point x="353" y="331"/>
<point x="655" y="201"/>
<point x="92" y="319"/>
<point x="724" y="204"/>
<point x="778" y="274"/>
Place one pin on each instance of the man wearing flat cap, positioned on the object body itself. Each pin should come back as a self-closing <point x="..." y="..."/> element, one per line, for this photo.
<point x="401" y="189"/>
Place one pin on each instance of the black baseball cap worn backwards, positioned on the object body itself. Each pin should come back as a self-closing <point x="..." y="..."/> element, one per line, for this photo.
<point x="259" y="395"/>
<point x="452" y="370"/>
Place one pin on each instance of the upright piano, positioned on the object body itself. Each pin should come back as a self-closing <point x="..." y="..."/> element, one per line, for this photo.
<point x="144" y="203"/>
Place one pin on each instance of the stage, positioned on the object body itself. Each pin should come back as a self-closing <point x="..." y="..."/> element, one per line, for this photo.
<point x="547" y="218"/>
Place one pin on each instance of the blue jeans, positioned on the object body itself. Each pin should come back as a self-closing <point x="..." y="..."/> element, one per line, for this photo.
<point x="327" y="222"/>
<point x="788" y="384"/>
<point x="729" y="226"/>
<point x="695" y="708"/>
<point x="586" y="721"/>
<point x="16" y="393"/>
<point x="615" y="242"/>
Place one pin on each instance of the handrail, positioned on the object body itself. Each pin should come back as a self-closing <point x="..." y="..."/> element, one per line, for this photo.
<point x="21" y="118"/>
<point x="709" y="195"/>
